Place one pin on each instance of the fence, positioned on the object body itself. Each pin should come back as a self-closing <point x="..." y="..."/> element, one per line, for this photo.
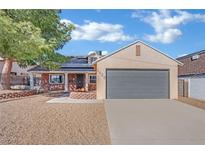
<point x="197" y="88"/>
<point x="193" y="88"/>
<point x="19" y="80"/>
<point x="183" y="88"/>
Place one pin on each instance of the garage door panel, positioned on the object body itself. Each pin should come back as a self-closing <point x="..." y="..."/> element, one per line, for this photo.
<point x="137" y="84"/>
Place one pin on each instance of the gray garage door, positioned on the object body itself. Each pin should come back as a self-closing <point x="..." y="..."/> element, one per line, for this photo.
<point x="137" y="84"/>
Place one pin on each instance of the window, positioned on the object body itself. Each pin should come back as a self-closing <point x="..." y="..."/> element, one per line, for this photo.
<point x="56" y="78"/>
<point x="92" y="78"/>
<point x="195" y="57"/>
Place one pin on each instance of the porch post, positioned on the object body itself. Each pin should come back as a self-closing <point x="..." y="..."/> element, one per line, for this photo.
<point x="31" y="80"/>
<point x="66" y="82"/>
<point x="86" y="81"/>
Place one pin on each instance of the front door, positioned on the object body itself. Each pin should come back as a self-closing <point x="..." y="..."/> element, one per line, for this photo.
<point x="80" y="81"/>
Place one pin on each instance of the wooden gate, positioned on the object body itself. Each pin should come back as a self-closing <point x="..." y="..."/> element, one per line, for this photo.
<point x="183" y="86"/>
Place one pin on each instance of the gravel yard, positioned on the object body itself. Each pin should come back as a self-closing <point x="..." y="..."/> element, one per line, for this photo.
<point x="33" y="121"/>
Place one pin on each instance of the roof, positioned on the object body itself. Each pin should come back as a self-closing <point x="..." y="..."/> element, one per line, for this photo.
<point x="192" y="54"/>
<point x="200" y="75"/>
<point x="37" y="68"/>
<point x="75" y="64"/>
<point x="138" y="41"/>
<point x="74" y="69"/>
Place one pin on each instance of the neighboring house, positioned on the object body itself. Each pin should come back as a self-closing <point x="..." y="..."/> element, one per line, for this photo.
<point x="76" y="75"/>
<point x="19" y="77"/>
<point x="192" y="75"/>
<point x="136" y="71"/>
<point x="16" y="69"/>
<point x="194" y="65"/>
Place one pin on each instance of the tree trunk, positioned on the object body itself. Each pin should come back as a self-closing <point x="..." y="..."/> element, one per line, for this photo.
<point x="5" y="76"/>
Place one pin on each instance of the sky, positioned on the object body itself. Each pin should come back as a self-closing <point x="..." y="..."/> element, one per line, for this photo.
<point x="174" y="32"/>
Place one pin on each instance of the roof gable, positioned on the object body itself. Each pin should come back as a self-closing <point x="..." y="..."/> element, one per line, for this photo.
<point x="138" y="41"/>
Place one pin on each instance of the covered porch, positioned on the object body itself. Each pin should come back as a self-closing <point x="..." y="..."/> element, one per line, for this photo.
<point x="67" y="81"/>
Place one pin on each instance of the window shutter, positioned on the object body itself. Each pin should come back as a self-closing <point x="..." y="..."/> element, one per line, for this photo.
<point x="137" y="50"/>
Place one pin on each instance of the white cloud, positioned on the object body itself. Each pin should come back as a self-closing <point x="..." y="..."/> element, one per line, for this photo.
<point x="166" y="23"/>
<point x="66" y="21"/>
<point x="104" y="32"/>
<point x="167" y="36"/>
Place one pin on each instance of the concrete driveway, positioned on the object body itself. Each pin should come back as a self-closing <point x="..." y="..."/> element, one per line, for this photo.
<point x="154" y="122"/>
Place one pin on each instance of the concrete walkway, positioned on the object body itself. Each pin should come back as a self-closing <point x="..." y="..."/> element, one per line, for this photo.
<point x="154" y="122"/>
<point x="70" y="100"/>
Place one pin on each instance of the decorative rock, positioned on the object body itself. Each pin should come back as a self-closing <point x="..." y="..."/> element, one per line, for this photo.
<point x="83" y="95"/>
<point x="17" y="94"/>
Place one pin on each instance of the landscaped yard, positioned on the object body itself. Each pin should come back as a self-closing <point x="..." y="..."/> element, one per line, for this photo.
<point x="33" y="121"/>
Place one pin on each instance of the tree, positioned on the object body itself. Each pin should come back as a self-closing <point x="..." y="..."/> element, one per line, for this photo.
<point x="31" y="37"/>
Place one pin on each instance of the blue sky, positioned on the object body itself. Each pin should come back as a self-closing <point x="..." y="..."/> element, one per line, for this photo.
<point x="174" y="32"/>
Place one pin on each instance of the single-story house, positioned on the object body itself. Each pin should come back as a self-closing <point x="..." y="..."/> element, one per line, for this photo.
<point x="194" y="65"/>
<point x="136" y="71"/>
<point x="76" y="75"/>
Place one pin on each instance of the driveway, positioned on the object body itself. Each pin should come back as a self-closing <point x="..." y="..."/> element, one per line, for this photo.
<point x="154" y="122"/>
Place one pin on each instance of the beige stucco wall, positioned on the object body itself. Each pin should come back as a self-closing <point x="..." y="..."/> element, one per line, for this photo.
<point x="126" y="58"/>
